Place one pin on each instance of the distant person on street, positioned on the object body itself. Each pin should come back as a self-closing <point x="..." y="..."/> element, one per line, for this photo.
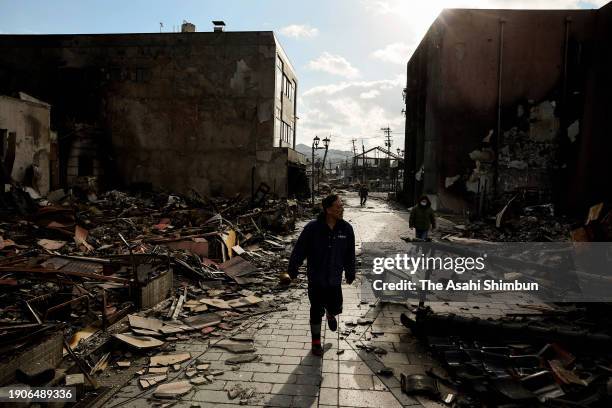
<point x="363" y="194"/>
<point x="328" y="243"/>
<point x="422" y="218"/>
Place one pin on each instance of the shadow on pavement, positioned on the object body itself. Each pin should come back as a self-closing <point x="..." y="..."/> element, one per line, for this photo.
<point x="302" y="395"/>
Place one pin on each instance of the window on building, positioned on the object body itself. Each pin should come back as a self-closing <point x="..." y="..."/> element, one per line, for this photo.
<point x="279" y="77"/>
<point x="288" y="87"/>
<point x="286" y="136"/>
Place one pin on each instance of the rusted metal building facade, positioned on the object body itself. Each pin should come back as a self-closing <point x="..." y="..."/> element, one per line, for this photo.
<point x="506" y="101"/>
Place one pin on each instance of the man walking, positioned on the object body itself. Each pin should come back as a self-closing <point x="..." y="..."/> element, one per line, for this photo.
<point x="422" y="218"/>
<point x="363" y="194"/>
<point x="328" y="243"/>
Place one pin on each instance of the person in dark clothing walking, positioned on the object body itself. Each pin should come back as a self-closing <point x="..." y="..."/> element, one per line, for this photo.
<point x="328" y="243"/>
<point x="363" y="194"/>
<point x="422" y="218"/>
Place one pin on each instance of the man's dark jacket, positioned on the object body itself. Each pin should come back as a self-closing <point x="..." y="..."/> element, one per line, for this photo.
<point x="328" y="252"/>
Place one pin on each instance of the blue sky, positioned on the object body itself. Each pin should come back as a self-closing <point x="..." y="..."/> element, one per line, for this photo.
<point x="350" y="55"/>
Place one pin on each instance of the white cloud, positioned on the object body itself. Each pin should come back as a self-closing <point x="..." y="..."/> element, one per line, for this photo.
<point x="334" y="64"/>
<point x="370" y="94"/>
<point x="353" y="109"/>
<point x="299" y="31"/>
<point x="378" y="6"/>
<point x="396" y="53"/>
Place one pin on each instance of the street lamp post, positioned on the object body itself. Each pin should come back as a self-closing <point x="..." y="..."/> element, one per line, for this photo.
<point x="322" y="167"/>
<point x="315" y="146"/>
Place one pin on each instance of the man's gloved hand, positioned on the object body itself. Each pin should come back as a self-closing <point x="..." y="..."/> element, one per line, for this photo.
<point x="284" y="278"/>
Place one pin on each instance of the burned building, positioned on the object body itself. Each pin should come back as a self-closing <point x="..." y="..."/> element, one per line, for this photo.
<point x="505" y="102"/>
<point x="212" y="112"/>
<point x="25" y="143"/>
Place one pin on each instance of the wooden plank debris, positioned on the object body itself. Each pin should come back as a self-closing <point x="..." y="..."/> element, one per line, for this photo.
<point x="203" y="320"/>
<point x="143" y="342"/>
<point x="218" y="303"/>
<point x="145" y="332"/>
<point x="51" y="244"/>
<point x="157" y="370"/>
<point x="74" y="379"/>
<point x="173" y="389"/>
<point x="238" y="269"/>
<point x="145" y="323"/>
<point x="245" y="301"/>
<point x="149" y="381"/>
<point x="198" y="380"/>
<point x="238" y="250"/>
<point x="178" y="308"/>
<point x="169" y="359"/>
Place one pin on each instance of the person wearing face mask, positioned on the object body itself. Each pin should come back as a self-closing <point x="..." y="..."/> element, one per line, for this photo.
<point x="422" y="218"/>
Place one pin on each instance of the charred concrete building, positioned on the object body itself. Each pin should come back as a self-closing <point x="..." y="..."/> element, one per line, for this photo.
<point x="213" y="112"/>
<point x="505" y="102"/>
<point x="25" y="143"/>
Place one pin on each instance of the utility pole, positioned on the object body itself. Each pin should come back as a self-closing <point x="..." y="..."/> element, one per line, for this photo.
<point x="312" y="167"/>
<point x="364" y="162"/>
<point x="354" y="156"/>
<point x="387" y="132"/>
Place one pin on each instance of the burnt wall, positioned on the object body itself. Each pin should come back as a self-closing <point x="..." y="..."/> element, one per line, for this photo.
<point x="25" y="143"/>
<point x="178" y="110"/>
<point x="453" y="87"/>
<point x="589" y="172"/>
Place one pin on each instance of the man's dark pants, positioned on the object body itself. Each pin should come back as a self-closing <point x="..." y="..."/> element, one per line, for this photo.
<point x="323" y="299"/>
<point x="422" y="234"/>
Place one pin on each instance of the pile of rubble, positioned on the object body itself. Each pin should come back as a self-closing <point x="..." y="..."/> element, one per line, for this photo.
<point x="517" y="222"/>
<point x="557" y="359"/>
<point x="117" y="280"/>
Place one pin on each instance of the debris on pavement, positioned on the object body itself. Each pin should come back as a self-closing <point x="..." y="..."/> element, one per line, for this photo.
<point x="173" y="390"/>
<point x="546" y="360"/>
<point x="125" y="277"/>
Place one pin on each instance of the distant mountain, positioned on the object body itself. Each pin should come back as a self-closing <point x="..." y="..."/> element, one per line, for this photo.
<point x="333" y="155"/>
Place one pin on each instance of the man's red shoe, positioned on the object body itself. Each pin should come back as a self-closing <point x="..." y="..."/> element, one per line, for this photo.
<point x="317" y="350"/>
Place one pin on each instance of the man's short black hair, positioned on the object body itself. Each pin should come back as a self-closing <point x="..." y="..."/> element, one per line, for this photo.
<point x="329" y="201"/>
